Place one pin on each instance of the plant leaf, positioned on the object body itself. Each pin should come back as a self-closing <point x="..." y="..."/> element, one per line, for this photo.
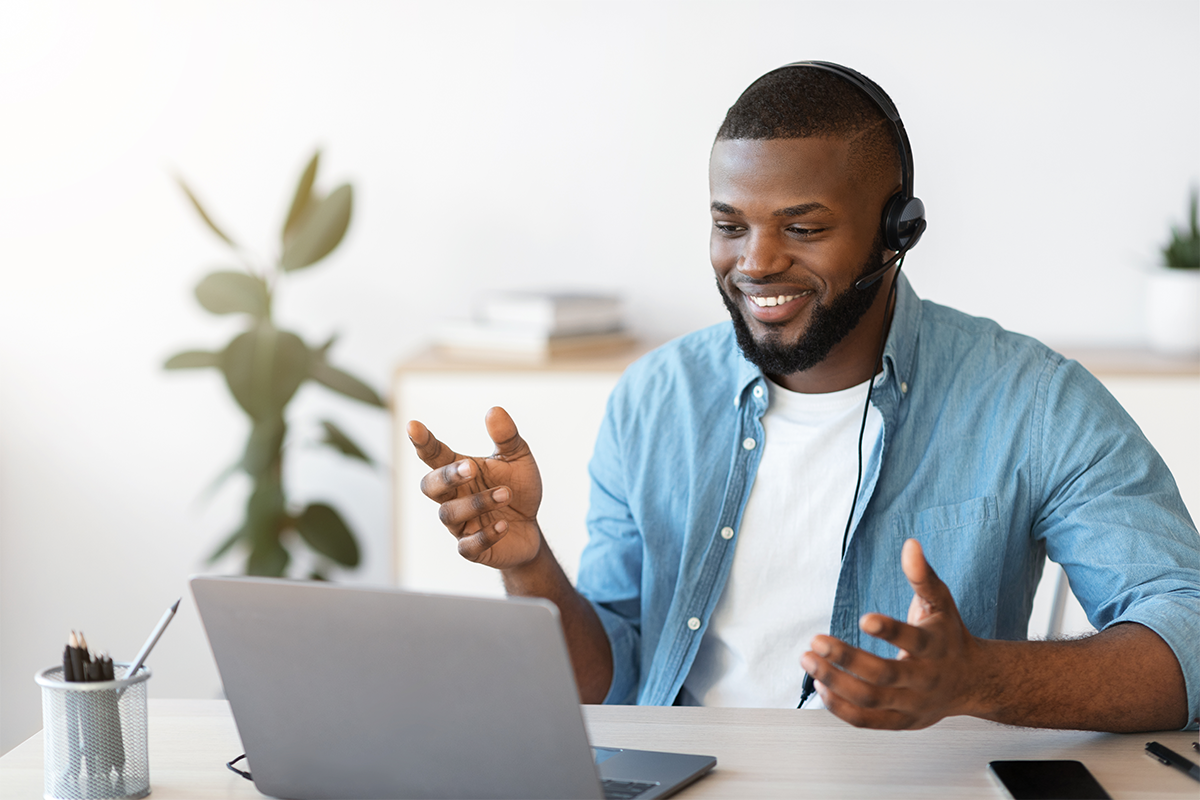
<point x="323" y="529"/>
<point x="336" y="438"/>
<point x="320" y="230"/>
<point x="203" y="214"/>
<point x="301" y="199"/>
<point x="233" y="293"/>
<point x="193" y="359"/>
<point x="265" y="517"/>
<point x="264" y="367"/>
<point x="268" y="558"/>
<point x="264" y="447"/>
<point x="343" y="383"/>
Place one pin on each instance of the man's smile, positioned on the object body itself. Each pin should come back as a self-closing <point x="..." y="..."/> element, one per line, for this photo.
<point x="773" y="308"/>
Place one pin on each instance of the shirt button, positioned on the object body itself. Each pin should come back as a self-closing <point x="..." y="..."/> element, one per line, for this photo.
<point x="758" y="391"/>
<point x="727" y="533"/>
<point x="903" y="388"/>
<point x="694" y="623"/>
<point x="749" y="443"/>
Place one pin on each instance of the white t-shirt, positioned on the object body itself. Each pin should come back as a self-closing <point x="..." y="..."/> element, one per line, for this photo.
<point x="788" y="552"/>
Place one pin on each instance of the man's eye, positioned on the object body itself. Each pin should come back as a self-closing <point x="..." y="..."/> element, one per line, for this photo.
<point x="728" y="227"/>
<point x="799" y="231"/>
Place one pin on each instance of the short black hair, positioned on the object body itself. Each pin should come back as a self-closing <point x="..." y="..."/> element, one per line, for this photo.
<point x="800" y="102"/>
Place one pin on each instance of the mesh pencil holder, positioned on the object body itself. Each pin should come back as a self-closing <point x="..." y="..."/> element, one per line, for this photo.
<point x="95" y="736"/>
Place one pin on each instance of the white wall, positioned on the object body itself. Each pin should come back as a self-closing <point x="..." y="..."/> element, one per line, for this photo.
<point x="491" y="143"/>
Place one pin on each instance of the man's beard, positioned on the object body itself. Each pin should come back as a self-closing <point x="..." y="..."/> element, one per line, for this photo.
<point x="829" y="324"/>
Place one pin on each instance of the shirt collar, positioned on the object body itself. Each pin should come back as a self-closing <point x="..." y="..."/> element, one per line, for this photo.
<point x="898" y="352"/>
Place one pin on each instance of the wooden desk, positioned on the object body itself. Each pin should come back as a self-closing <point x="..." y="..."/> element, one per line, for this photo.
<point x="760" y="753"/>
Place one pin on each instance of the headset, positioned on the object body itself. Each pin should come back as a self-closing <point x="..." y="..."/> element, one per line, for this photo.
<point x="902" y="225"/>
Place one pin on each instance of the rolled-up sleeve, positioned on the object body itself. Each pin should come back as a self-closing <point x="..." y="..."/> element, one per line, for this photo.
<point x="1114" y="519"/>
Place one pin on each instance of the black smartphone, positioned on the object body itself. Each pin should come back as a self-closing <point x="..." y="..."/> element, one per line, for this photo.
<point x="1047" y="780"/>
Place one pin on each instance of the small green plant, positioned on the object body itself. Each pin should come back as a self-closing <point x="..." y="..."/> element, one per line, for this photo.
<point x="1183" y="251"/>
<point x="263" y="367"/>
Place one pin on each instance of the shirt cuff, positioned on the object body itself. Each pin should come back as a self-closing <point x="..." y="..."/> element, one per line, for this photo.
<point x="623" y="639"/>
<point x="1177" y="621"/>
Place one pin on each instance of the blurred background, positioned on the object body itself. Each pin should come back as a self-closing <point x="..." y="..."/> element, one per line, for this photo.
<point x="492" y="145"/>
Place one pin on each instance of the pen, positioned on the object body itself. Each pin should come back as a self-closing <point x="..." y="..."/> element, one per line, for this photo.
<point x="149" y="645"/>
<point x="1172" y="759"/>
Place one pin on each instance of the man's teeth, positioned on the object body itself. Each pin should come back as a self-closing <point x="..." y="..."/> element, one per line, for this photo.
<point x="763" y="302"/>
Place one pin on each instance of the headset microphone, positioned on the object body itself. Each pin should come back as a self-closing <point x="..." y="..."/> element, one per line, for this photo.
<point x="868" y="280"/>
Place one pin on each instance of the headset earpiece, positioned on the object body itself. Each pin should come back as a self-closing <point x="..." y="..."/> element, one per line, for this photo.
<point x="903" y="222"/>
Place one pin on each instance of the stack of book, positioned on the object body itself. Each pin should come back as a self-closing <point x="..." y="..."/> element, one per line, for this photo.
<point x="537" y="326"/>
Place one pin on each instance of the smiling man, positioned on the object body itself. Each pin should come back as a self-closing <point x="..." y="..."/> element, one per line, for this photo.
<point x="770" y="498"/>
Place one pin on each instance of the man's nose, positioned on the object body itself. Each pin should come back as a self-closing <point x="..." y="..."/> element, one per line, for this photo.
<point x="763" y="255"/>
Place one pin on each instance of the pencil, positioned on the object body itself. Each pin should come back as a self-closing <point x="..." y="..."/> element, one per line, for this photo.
<point x="115" y="750"/>
<point x="76" y="659"/>
<point x="153" y="639"/>
<point x="71" y="673"/>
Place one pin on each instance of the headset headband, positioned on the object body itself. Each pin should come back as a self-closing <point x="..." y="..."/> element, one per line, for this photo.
<point x="883" y="102"/>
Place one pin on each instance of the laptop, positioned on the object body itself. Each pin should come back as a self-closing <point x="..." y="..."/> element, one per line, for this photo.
<point x="345" y="692"/>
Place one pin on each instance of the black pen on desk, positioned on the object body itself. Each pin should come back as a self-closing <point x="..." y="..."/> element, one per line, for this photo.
<point x="1172" y="759"/>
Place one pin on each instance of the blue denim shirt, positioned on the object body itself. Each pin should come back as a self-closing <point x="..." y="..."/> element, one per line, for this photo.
<point x="996" y="452"/>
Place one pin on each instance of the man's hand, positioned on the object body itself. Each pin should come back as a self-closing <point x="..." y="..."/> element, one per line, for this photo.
<point x="929" y="680"/>
<point x="489" y="504"/>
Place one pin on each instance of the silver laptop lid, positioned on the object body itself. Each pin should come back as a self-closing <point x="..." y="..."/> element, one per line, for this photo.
<point x="346" y="692"/>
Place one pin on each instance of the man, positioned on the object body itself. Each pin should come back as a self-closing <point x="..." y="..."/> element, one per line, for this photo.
<point x="731" y="551"/>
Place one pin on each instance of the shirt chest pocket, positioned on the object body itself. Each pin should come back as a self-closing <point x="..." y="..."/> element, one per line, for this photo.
<point x="964" y="545"/>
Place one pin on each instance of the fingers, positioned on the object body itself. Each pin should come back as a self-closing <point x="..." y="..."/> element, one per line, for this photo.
<point x="924" y="581"/>
<point x="503" y="432"/>
<point x="473" y="522"/>
<point x="849" y="694"/>
<point x="911" y="639"/>
<point x="475" y="546"/>
<point x="443" y="483"/>
<point x="854" y="670"/>
<point x="466" y="515"/>
<point x="864" y="689"/>
<point x="860" y="717"/>
<point x="429" y="449"/>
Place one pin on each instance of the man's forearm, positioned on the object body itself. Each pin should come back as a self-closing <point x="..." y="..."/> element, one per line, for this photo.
<point x="587" y="641"/>
<point x="1123" y="679"/>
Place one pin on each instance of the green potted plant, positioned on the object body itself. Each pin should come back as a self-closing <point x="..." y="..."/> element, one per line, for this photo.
<point x="1173" y="294"/>
<point x="263" y="366"/>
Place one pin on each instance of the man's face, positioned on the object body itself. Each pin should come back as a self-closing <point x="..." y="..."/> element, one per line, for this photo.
<point x="792" y="232"/>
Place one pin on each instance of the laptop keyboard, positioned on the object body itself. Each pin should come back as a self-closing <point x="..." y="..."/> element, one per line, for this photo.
<point x="624" y="790"/>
